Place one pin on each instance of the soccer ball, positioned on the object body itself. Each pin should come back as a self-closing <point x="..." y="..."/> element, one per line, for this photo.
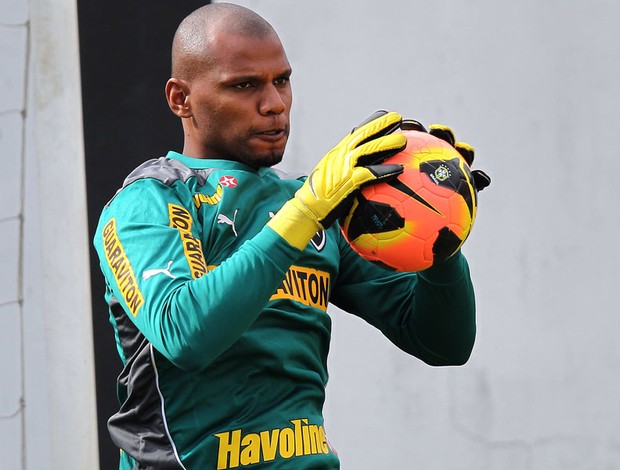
<point x="422" y="217"/>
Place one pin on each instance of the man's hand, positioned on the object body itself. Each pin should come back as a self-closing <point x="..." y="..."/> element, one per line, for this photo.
<point x="329" y="189"/>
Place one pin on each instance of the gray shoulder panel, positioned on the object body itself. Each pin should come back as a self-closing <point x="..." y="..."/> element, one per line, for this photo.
<point x="167" y="171"/>
<point x="287" y="176"/>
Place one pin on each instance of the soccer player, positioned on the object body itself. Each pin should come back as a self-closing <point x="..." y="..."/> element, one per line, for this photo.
<point x="219" y="269"/>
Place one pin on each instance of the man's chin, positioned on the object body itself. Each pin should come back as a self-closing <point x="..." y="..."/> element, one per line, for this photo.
<point x="268" y="158"/>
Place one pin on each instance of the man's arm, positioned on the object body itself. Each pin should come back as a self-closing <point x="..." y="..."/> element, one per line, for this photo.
<point x="189" y="318"/>
<point x="430" y="315"/>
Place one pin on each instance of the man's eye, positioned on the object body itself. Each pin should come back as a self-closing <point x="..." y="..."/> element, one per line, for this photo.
<point x="243" y="86"/>
<point x="281" y="80"/>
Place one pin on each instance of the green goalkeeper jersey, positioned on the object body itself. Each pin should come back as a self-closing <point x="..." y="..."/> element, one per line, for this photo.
<point x="223" y="327"/>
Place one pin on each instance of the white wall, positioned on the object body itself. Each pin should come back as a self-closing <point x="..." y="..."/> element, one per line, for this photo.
<point x="47" y="395"/>
<point x="533" y="85"/>
<point x="13" y="38"/>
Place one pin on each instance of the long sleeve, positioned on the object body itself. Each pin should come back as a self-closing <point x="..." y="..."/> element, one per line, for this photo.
<point x="189" y="315"/>
<point x="430" y="314"/>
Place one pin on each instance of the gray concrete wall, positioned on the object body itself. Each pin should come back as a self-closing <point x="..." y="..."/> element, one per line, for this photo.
<point x="533" y="86"/>
<point x="47" y="394"/>
<point x="13" y="40"/>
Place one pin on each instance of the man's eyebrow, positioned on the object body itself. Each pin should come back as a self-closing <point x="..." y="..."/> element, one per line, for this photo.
<point x="287" y="71"/>
<point x="248" y="77"/>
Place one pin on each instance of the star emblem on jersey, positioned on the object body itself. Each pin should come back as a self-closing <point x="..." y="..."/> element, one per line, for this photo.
<point x="228" y="181"/>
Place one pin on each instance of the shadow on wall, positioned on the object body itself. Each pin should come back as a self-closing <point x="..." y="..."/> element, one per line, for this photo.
<point x="125" y="62"/>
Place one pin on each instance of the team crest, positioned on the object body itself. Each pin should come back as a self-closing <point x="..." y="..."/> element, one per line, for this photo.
<point x="319" y="239"/>
<point x="228" y="181"/>
<point x="442" y="173"/>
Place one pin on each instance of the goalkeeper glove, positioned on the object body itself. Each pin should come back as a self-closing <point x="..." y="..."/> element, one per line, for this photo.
<point x="481" y="179"/>
<point x="329" y="189"/>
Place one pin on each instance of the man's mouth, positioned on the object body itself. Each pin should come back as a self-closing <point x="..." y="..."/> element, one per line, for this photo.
<point x="272" y="134"/>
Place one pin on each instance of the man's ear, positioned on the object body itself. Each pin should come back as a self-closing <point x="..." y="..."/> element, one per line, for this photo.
<point x="177" y="95"/>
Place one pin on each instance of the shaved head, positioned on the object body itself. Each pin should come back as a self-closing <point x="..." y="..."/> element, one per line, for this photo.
<point x="230" y="86"/>
<point x="191" y="47"/>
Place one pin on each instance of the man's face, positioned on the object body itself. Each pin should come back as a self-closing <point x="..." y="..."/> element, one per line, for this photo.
<point x="241" y="102"/>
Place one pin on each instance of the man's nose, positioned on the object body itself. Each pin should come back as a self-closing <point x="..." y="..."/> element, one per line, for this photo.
<point x="272" y="101"/>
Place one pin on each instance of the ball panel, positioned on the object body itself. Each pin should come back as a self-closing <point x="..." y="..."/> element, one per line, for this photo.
<point x="446" y="244"/>
<point x="421" y="217"/>
<point x="374" y="216"/>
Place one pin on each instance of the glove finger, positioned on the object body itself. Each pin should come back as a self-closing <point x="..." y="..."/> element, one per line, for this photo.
<point x="372" y="117"/>
<point x="442" y="132"/>
<point x="481" y="179"/>
<point x="378" y="124"/>
<point x="361" y="176"/>
<point x="467" y="151"/>
<point x="371" y="174"/>
<point x="378" y="149"/>
<point x="384" y="172"/>
<point x="412" y="125"/>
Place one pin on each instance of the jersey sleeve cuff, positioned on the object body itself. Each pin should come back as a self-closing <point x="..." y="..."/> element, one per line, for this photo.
<point x="446" y="272"/>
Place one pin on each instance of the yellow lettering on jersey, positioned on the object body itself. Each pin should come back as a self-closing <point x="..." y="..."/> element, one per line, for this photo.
<point x="287" y="443"/>
<point x="122" y="270"/>
<point x="306" y="285"/>
<point x="212" y="200"/>
<point x="229" y="446"/>
<point x="181" y="219"/>
<point x="269" y="444"/>
<point x="238" y="450"/>
<point x="250" y="452"/>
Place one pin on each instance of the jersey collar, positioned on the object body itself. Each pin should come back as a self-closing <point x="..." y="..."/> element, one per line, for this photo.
<point x="204" y="163"/>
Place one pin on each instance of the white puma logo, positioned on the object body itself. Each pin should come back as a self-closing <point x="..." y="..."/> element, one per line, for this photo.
<point x="223" y="219"/>
<point x="154" y="272"/>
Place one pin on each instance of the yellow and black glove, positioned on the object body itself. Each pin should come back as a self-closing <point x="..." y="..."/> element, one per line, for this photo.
<point x="481" y="179"/>
<point x="329" y="189"/>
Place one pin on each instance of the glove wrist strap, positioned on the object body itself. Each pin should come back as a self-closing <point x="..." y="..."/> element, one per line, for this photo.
<point x="295" y="224"/>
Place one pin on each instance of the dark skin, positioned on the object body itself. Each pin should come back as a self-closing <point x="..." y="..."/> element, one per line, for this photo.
<point x="235" y="104"/>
